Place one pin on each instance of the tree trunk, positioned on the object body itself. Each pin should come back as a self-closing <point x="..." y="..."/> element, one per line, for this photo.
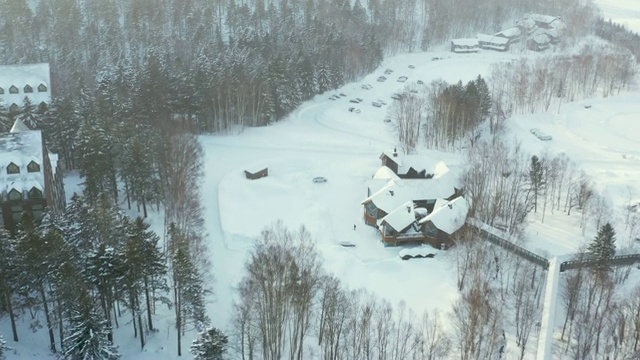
<point x="12" y="316"/>
<point x="137" y="306"/>
<point x="52" y="338"/>
<point x="148" y="301"/>
<point x="176" y="300"/>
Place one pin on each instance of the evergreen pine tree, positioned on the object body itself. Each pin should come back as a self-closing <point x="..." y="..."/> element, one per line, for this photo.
<point x="88" y="339"/>
<point x="35" y="268"/>
<point x="211" y="344"/>
<point x="9" y="274"/>
<point x="28" y="114"/>
<point x="4" y="348"/>
<point x="5" y="120"/>
<point x="603" y="246"/>
<point x="536" y="178"/>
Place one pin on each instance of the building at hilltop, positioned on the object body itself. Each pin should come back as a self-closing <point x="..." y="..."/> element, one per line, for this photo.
<point x="31" y="179"/>
<point x="26" y="80"/>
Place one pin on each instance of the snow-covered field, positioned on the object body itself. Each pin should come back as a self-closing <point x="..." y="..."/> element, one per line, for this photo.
<point x="322" y="138"/>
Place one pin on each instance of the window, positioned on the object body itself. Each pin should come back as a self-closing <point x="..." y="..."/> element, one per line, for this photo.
<point x="15" y="195"/>
<point x="13" y="169"/>
<point x="371" y="209"/>
<point x="430" y="229"/>
<point x="1" y="91"/>
<point x="42" y="107"/>
<point x="35" y="193"/>
<point x="28" y="89"/>
<point x="16" y="213"/>
<point x="33" y="167"/>
<point x="42" y="88"/>
<point x="37" y="211"/>
<point x="13" y="90"/>
<point x="14" y="108"/>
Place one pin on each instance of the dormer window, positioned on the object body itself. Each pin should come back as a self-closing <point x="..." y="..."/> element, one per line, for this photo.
<point x="42" y="88"/>
<point x="28" y="89"/>
<point x="33" y="167"/>
<point x="15" y="195"/>
<point x="1" y="91"/>
<point x="14" y="108"/>
<point x="13" y="169"/>
<point x="13" y="90"/>
<point x="35" y="193"/>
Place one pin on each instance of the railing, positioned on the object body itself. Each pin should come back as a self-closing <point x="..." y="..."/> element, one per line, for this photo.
<point x="619" y="260"/>
<point x="508" y="245"/>
<point x="584" y="262"/>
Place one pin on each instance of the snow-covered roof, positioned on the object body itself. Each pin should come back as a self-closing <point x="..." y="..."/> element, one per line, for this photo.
<point x="449" y="217"/>
<point x="19" y="126"/>
<point x="398" y="192"/>
<point x="384" y="173"/>
<point x="511" y="32"/>
<point x="527" y="24"/>
<point x="417" y="162"/>
<point x="544" y="19"/>
<point x="21" y="148"/>
<point x="400" y="218"/>
<point x="541" y="39"/>
<point x="492" y="39"/>
<point x="465" y="42"/>
<point x="553" y="33"/>
<point x="19" y="76"/>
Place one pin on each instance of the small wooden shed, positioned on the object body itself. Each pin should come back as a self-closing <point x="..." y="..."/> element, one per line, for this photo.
<point x="257" y="174"/>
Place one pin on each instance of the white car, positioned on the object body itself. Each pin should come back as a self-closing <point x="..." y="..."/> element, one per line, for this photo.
<point x="367" y="87"/>
<point x="402" y="79"/>
<point x="319" y="179"/>
<point x="544" y="137"/>
<point x="382" y="79"/>
<point x="376" y="104"/>
<point x="354" y="110"/>
<point x="388" y="71"/>
<point x="534" y="131"/>
<point x="411" y="67"/>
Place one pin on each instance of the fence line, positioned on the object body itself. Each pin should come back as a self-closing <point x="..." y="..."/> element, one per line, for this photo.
<point x="499" y="238"/>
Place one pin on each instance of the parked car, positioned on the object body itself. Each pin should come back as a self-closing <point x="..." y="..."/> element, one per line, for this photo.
<point x="411" y="67"/>
<point x="387" y="120"/>
<point x="534" y="131"/>
<point x="544" y="137"/>
<point x="382" y="102"/>
<point x="382" y="79"/>
<point x="319" y="179"/>
<point x="354" y="101"/>
<point x="435" y="58"/>
<point x="360" y="99"/>
<point x="396" y="96"/>
<point x="402" y="79"/>
<point x="347" y="244"/>
<point x="334" y="97"/>
<point x="376" y="104"/>
<point x="354" y="110"/>
<point x="367" y="87"/>
<point x="420" y="82"/>
<point x="343" y="94"/>
<point x="388" y="71"/>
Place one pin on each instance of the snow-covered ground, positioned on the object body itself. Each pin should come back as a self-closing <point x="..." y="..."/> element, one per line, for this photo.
<point x="625" y="12"/>
<point x="322" y="138"/>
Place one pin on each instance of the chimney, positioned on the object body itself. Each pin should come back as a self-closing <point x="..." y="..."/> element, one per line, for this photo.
<point x="409" y="209"/>
<point x="391" y="192"/>
<point x="450" y="206"/>
<point x="395" y="152"/>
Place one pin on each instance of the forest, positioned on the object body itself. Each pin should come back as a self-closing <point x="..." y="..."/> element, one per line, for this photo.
<point x="135" y="81"/>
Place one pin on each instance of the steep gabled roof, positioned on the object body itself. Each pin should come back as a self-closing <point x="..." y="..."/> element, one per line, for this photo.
<point x="19" y="126"/>
<point x="400" y="218"/>
<point x="491" y="39"/>
<point x="385" y="173"/>
<point x="397" y="192"/>
<point x="449" y="217"/>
